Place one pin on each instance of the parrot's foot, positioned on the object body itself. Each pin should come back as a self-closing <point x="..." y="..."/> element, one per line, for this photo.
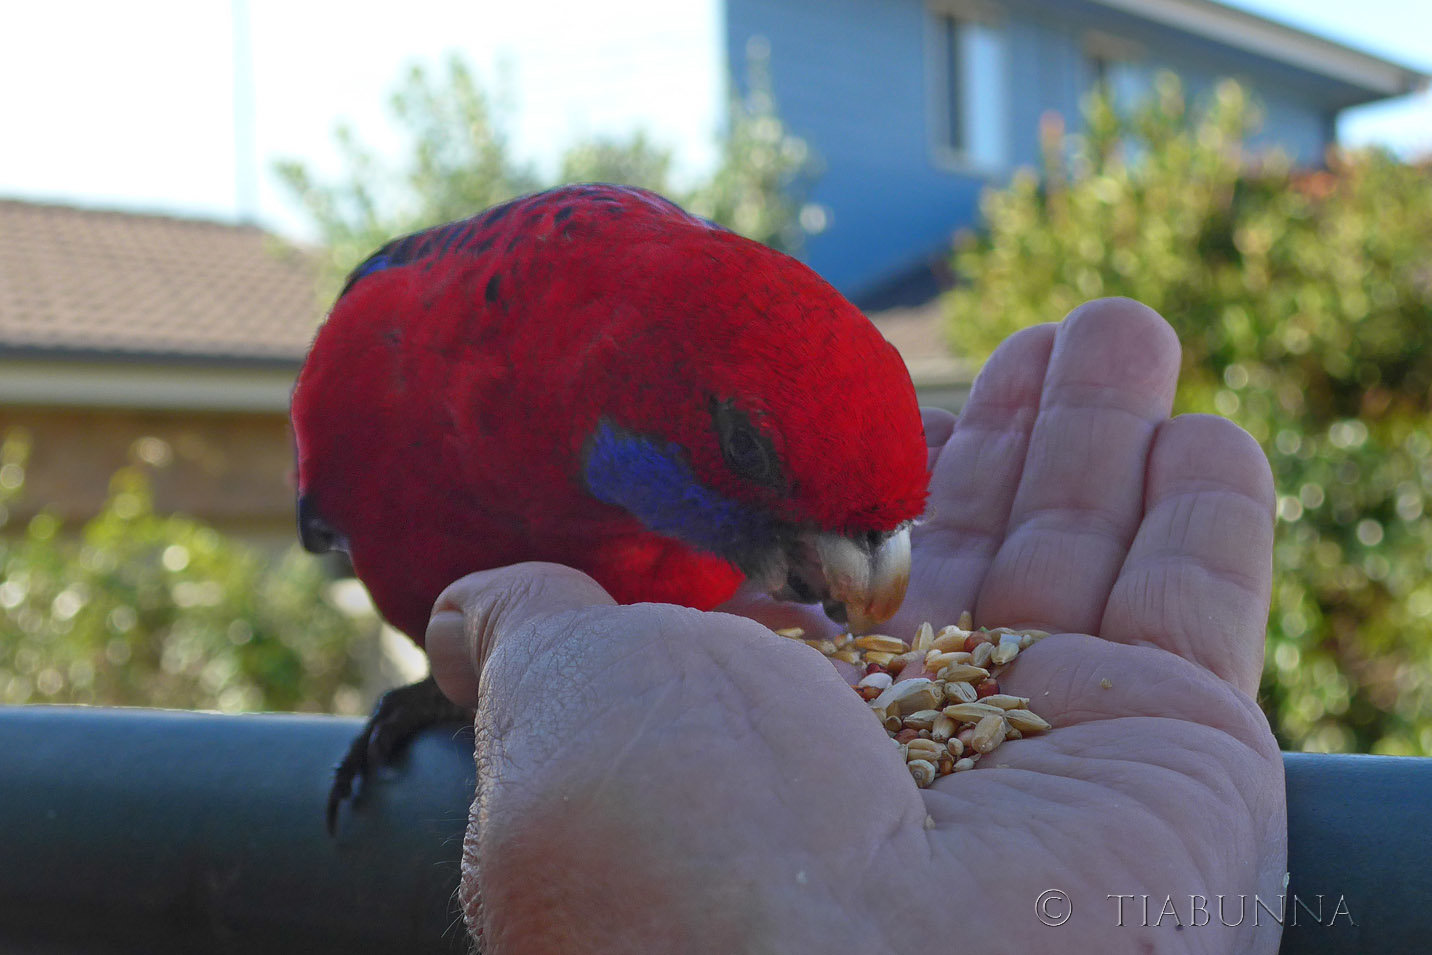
<point x="400" y="713"/>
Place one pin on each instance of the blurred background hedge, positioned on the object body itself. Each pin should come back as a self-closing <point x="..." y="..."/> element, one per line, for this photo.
<point x="1303" y="300"/>
<point x="141" y="609"/>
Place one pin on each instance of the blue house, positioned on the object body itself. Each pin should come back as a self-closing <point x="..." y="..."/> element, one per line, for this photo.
<point x="914" y="106"/>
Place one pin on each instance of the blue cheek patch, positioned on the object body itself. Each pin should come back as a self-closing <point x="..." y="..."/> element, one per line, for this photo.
<point x="653" y="482"/>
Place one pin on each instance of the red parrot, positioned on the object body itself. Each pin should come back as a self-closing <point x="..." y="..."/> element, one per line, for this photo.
<point x="593" y="377"/>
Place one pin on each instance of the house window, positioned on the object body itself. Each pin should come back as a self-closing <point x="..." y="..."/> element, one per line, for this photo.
<point x="1115" y="70"/>
<point x="968" y="103"/>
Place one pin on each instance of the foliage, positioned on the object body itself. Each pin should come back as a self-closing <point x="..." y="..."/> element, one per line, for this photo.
<point x="164" y="611"/>
<point x="759" y="184"/>
<point x="1304" y="303"/>
<point x="461" y="163"/>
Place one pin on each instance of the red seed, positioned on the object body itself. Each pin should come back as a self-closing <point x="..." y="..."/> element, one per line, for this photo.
<point x="907" y="734"/>
<point x="974" y="640"/>
<point x="873" y="668"/>
<point x="986" y="688"/>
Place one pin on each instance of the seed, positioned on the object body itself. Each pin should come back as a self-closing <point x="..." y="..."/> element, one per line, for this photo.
<point x="967" y="620"/>
<point x="892" y="724"/>
<point x="925" y="696"/>
<point x="942" y="728"/>
<point x="950" y="638"/>
<point x="907" y="736"/>
<point x="924" y="636"/>
<point x="989" y="733"/>
<point x="1006" y="702"/>
<point x="1013" y="734"/>
<point x="962" y="673"/>
<point x="936" y="661"/>
<point x="881" y="643"/>
<point x="909" y="658"/>
<point x="972" y="712"/>
<point x="1035" y="635"/>
<point x="981" y="654"/>
<point x="879" y="679"/>
<point x="877" y="658"/>
<point x="1004" y="653"/>
<point x="960" y="693"/>
<point x="921" y="719"/>
<point x="974" y="640"/>
<point x="955" y="747"/>
<point x="847" y="656"/>
<point x="924" y="749"/>
<point x="795" y="633"/>
<point x="1107" y="683"/>
<point x="923" y="772"/>
<point x="963" y="764"/>
<point x="987" y="689"/>
<point x="843" y="640"/>
<point x="909" y="696"/>
<point x="1026" y="721"/>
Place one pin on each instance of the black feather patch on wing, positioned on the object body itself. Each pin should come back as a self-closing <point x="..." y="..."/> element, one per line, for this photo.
<point x="465" y="235"/>
<point x="504" y="226"/>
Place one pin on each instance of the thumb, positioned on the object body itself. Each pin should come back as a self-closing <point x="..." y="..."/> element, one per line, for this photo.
<point x="472" y="617"/>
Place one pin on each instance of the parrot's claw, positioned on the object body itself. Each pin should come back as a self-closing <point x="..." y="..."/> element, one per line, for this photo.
<point x="400" y="714"/>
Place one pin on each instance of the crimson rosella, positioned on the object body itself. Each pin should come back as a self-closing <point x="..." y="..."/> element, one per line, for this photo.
<point x="593" y="377"/>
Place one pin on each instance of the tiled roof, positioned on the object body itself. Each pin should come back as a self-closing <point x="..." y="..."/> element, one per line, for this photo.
<point x="93" y="283"/>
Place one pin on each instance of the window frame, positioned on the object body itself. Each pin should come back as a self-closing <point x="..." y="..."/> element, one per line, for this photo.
<point x="982" y="146"/>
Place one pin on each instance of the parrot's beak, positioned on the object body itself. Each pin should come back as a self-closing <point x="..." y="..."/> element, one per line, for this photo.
<point x="867" y="577"/>
<point x="859" y="580"/>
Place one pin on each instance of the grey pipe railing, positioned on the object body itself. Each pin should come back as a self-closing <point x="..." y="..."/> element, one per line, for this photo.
<point x="143" y="831"/>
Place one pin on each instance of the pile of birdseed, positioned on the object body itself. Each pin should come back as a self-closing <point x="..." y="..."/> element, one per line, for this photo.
<point x="946" y="722"/>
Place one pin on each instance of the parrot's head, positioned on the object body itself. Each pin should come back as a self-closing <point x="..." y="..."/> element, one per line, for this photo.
<point x="761" y="417"/>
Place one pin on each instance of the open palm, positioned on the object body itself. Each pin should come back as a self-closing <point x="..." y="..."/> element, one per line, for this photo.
<point x="656" y="779"/>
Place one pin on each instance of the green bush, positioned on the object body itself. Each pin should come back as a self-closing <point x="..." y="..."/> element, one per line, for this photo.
<point x="142" y="609"/>
<point x="1304" y="303"/>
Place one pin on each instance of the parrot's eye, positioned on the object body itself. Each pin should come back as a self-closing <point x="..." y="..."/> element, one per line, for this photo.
<point x="745" y="449"/>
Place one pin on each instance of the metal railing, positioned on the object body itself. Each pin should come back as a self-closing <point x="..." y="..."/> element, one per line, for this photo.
<point x="154" y="832"/>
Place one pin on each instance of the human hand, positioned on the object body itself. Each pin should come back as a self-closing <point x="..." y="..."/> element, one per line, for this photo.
<point x="651" y="778"/>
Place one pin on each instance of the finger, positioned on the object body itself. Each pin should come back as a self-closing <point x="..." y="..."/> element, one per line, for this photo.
<point x="1110" y="383"/>
<point x="939" y="424"/>
<point x="1199" y="574"/>
<point x="474" y="614"/>
<point x="973" y="481"/>
<point x="754" y="604"/>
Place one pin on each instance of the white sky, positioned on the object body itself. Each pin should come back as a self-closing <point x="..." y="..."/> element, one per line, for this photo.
<point x="131" y="105"/>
